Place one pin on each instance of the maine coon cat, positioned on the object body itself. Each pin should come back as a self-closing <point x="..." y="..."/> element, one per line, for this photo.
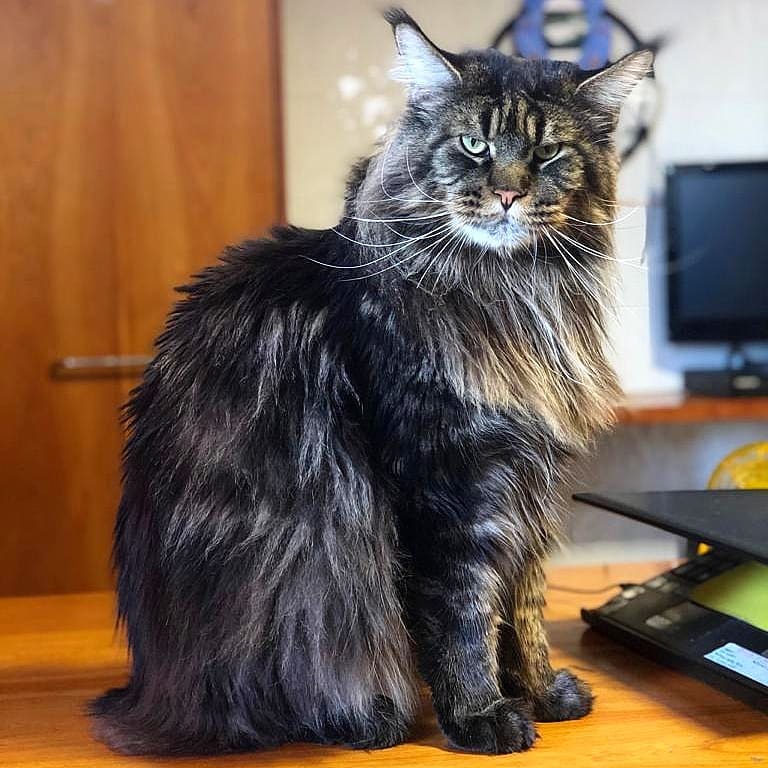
<point x="343" y="460"/>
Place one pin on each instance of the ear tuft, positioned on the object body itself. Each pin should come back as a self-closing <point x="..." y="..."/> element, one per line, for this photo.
<point x="608" y="88"/>
<point x="421" y="63"/>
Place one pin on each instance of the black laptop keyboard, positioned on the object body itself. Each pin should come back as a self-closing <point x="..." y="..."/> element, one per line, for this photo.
<point x="676" y="583"/>
<point x="660" y="611"/>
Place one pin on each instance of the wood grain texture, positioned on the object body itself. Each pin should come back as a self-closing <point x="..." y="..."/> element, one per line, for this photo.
<point x="138" y="138"/>
<point x="682" y="409"/>
<point x="57" y="652"/>
<point x="58" y="443"/>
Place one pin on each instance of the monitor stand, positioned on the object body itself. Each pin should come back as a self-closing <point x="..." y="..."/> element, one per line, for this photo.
<point x="741" y="378"/>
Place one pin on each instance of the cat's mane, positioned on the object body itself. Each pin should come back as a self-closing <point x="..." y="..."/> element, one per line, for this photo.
<point x="523" y="329"/>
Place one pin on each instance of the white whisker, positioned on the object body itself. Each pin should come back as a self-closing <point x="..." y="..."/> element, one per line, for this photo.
<point x="434" y="233"/>
<point x="397" y="264"/>
<point x="414" y="200"/>
<point x="408" y="166"/>
<point x="458" y="246"/>
<point x="399" y="219"/>
<point x="629" y="262"/>
<point x="410" y="239"/>
<point x="552" y="235"/>
<point x="437" y="255"/>
<point x="604" y="223"/>
<point x="382" y="167"/>
<point x="535" y="253"/>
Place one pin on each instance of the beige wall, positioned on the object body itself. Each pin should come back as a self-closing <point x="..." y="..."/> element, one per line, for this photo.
<point x="338" y="96"/>
<point x="336" y="54"/>
<point x="713" y="75"/>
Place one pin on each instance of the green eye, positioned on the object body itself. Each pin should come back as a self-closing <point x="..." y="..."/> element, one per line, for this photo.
<point x="474" y="146"/>
<point x="547" y="151"/>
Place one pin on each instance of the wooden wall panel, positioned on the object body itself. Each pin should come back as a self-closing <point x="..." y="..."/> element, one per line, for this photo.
<point x="137" y="137"/>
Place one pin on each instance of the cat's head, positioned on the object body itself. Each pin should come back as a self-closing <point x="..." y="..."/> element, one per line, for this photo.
<point x="505" y="145"/>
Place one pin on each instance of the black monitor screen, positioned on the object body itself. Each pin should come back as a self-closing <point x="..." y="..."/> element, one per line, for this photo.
<point x="717" y="219"/>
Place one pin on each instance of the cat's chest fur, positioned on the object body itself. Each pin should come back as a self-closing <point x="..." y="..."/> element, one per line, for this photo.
<point x="526" y="353"/>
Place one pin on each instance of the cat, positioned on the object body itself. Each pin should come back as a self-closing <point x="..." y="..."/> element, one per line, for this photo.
<point x="343" y="462"/>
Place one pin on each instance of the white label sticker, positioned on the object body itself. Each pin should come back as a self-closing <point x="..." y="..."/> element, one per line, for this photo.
<point x="747" y="663"/>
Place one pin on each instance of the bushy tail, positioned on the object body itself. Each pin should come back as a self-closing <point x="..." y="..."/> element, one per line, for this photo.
<point x="115" y="723"/>
<point x="126" y="725"/>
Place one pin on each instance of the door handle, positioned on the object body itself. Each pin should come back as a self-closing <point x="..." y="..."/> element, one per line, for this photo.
<point x="100" y="367"/>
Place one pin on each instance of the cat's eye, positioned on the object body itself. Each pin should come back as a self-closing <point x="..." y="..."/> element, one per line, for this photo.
<point x="547" y="151"/>
<point x="474" y="146"/>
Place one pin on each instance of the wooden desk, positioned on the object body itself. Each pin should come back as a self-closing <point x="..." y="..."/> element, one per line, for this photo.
<point x="679" y="408"/>
<point x="58" y="652"/>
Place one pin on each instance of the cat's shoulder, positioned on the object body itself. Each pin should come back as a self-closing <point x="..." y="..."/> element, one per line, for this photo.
<point x="282" y="267"/>
<point x="257" y="287"/>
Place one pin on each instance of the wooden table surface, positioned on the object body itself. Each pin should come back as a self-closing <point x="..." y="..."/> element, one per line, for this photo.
<point x="58" y="652"/>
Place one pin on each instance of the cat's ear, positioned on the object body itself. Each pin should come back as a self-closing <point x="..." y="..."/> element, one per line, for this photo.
<point x="607" y="89"/>
<point x="421" y="64"/>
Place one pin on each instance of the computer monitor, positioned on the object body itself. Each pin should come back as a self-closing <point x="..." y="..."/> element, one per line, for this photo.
<point x="717" y="267"/>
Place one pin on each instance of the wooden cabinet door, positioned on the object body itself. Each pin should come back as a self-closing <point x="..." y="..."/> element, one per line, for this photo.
<point x="137" y="138"/>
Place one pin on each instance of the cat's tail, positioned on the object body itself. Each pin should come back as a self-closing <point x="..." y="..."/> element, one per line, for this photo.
<point x="117" y="722"/>
<point x="129" y="726"/>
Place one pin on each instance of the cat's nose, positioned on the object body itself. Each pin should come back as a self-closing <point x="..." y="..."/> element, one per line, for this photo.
<point x="507" y="197"/>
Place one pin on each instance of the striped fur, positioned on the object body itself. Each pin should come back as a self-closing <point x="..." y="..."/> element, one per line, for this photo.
<point x="344" y="460"/>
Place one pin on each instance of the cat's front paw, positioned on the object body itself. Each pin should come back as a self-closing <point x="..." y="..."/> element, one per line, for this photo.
<point x="498" y="729"/>
<point x="566" y="698"/>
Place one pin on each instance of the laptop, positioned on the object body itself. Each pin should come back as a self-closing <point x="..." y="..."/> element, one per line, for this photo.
<point x="708" y="616"/>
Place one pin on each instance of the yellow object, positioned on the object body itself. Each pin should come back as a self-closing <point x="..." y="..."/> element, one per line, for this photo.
<point x="744" y="468"/>
<point x="741" y="592"/>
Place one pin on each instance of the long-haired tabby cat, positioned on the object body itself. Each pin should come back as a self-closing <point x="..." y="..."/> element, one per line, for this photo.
<point x="343" y="459"/>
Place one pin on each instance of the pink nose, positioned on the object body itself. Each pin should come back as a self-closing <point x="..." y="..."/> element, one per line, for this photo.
<point x="508" y="196"/>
